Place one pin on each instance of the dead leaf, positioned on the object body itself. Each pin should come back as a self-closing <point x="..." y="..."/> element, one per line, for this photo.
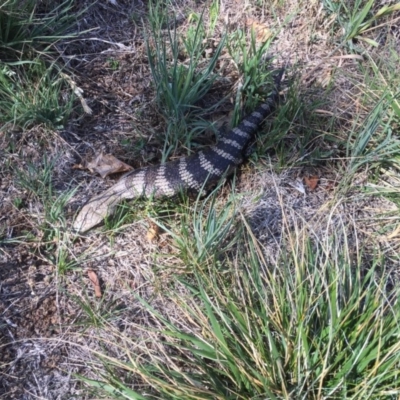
<point x="107" y="164"/>
<point x="262" y="33"/>
<point x="153" y="232"/>
<point x="78" y="166"/>
<point x="311" y="182"/>
<point x="96" y="283"/>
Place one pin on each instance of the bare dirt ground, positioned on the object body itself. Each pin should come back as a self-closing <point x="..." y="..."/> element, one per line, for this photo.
<point x="46" y="326"/>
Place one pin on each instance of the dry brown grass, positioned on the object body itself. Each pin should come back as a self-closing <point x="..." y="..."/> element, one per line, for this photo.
<point x="49" y="325"/>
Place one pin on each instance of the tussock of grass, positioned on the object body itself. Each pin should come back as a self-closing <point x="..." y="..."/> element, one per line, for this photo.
<point x="32" y="90"/>
<point x="316" y="324"/>
<point x="358" y="18"/>
<point x="32" y="95"/>
<point x="374" y="145"/>
<point x="28" y="28"/>
<point x="181" y="85"/>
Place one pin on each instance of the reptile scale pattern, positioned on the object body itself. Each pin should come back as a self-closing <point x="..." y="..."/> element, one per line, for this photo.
<point x="189" y="174"/>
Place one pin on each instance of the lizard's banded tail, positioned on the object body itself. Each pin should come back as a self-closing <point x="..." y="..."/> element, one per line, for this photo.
<point x="186" y="174"/>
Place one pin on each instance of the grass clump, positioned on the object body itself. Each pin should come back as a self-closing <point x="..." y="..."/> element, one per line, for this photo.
<point x="250" y="59"/>
<point x="49" y="215"/>
<point x="32" y="88"/>
<point x="374" y="145"/>
<point x="34" y="94"/>
<point x="359" y="18"/>
<point x="181" y="74"/>
<point x="320" y="322"/>
<point x="28" y="29"/>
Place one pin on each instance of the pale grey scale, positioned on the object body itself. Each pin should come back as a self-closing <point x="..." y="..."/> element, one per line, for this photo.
<point x="255" y="118"/>
<point x="200" y="167"/>
<point x="230" y="142"/>
<point x="242" y="138"/>
<point x="220" y="161"/>
<point x="172" y="173"/>
<point x="186" y="175"/>
<point x="268" y="104"/>
<point x="257" y="115"/>
<point x="162" y="184"/>
<point x="135" y="182"/>
<point x="252" y="121"/>
<point x="226" y="155"/>
<point x="227" y="151"/>
<point x="245" y="130"/>
<point x="241" y="132"/>
<point x="209" y="165"/>
<point x="250" y="124"/>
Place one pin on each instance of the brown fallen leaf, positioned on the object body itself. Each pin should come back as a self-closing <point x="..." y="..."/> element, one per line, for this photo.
<point x="311" y="182"/>
<point x="262" y="33"/>
<point x="107" y="164"/>
<point x="153" y="232"/>
<point x="78" y="166"/>
<point x="96" y="283"/>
